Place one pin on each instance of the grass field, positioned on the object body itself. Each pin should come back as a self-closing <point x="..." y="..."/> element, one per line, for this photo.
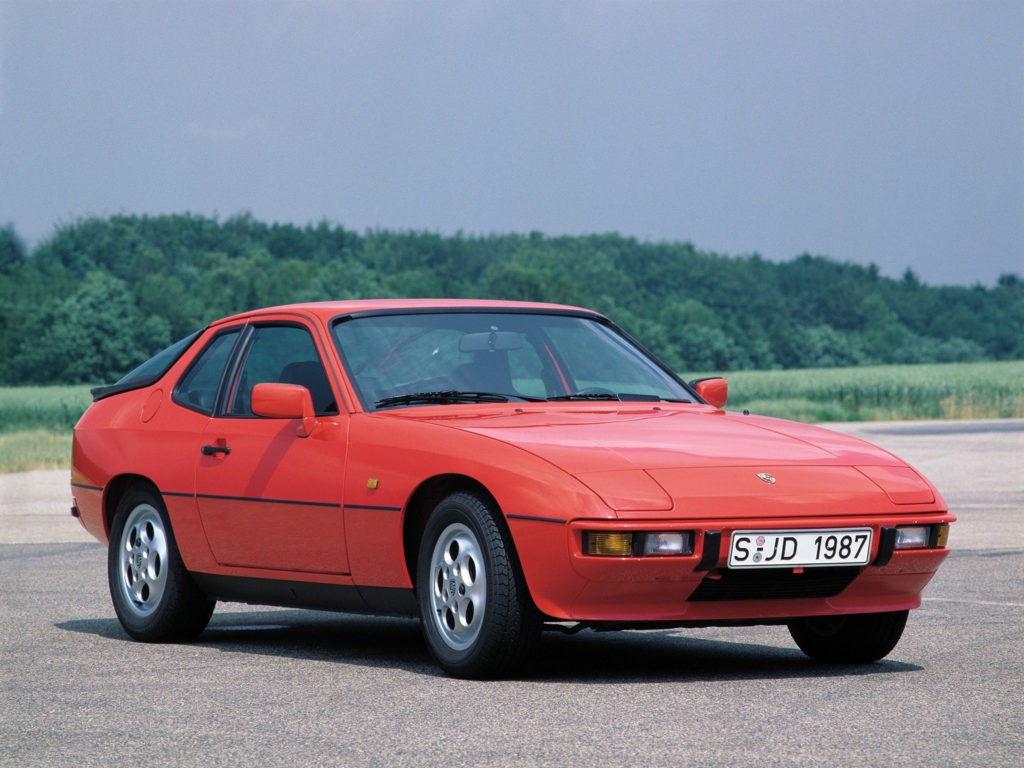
<point x="35" y="426"/>
<point x="36" y="422"/>
<point x="952" y="391"/>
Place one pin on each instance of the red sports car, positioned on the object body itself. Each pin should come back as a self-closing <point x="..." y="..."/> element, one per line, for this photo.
<point x="494" y="468"/>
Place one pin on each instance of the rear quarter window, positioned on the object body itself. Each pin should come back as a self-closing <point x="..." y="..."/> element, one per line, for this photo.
<point x="150" y="371"/>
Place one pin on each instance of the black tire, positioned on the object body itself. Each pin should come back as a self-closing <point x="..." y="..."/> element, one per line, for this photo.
<point x="154" y="597"/>
<point x="477" y="617"/>
<point x="853" y="639"/>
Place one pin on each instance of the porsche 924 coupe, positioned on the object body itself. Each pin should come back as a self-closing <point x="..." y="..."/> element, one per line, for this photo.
<point x="494" y="468"/>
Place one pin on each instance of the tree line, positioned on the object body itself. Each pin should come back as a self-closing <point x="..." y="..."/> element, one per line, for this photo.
<point x="103" y="294"/>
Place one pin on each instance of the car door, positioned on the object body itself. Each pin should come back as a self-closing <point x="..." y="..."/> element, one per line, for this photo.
<point x="268" y="497"/>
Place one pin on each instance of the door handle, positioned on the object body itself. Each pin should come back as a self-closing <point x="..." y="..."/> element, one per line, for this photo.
<point x="213" y="450"/>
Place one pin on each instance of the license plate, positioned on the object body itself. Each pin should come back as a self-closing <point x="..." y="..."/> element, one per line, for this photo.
<point x="794" y="549"/>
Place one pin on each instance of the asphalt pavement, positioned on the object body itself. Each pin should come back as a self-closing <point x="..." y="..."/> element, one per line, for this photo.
<point x="272" y="687"/>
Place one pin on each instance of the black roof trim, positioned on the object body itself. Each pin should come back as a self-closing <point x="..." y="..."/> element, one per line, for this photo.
<point x="478" y="310"/>
<point x="98" y="393"/>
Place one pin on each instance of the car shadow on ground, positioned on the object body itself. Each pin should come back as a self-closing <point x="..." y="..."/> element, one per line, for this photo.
<point x="674" y="656"/>
<point x="586" y="657"/>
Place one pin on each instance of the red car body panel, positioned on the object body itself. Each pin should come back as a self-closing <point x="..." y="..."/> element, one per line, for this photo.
<point x="338" y="507"/>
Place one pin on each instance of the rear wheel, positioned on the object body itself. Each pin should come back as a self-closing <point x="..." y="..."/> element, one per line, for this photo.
<point x="153" y="595"/>
<point x="853" y="639"/>
<point x="478" y="619"/>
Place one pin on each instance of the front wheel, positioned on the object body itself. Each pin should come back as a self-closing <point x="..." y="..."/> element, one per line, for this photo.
<point x="853" y="639"/>
<point x="154" y="597"/>
<point x="478" y="619"/>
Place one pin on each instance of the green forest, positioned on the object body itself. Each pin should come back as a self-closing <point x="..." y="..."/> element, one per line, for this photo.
<point x="102" y="294"/>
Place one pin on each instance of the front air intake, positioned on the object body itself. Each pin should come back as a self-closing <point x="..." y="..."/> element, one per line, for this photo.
<point x="774" y="584"/>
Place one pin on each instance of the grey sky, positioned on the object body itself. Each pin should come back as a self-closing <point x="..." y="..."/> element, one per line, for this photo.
<point x="885" y="132"/>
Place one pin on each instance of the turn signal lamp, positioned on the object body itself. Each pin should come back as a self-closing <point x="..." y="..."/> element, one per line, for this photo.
<point x="638" y="544"/>
<point x="609" y="544"/>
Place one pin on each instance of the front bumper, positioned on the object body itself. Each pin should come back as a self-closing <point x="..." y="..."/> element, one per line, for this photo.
<point x="701" y="589"/>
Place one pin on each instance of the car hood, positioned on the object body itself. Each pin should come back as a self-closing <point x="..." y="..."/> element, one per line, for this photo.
<point x="699" y="455"/>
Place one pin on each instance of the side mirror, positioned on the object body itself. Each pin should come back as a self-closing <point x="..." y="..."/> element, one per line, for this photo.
<point x="713" y="391"/>
<point x="285" y="401"/>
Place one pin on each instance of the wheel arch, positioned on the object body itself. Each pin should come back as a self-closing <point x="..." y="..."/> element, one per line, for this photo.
<point x="425" y="498"/>
<point x="115" y="491"/>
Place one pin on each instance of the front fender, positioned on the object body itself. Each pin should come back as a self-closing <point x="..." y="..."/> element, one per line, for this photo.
<point x="536" y="499"/>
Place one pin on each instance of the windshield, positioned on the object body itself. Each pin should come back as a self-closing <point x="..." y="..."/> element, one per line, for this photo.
<point x="398" y="360"/>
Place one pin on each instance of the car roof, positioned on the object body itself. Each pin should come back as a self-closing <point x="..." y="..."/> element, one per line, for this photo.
<point x="327" y="310"/>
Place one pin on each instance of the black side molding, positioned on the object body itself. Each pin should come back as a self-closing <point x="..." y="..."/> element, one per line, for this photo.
<point x="381" y="601"/>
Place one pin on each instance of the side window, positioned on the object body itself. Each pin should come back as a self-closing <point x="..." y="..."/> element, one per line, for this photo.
<point x="198" y="387"/>
<point x="286" y="354"/>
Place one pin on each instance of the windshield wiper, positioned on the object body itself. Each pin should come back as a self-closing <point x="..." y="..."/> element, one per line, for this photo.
<point x="449" y="397"/>
<point x="585" y="396"/>
<point x="625" y="397"/>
